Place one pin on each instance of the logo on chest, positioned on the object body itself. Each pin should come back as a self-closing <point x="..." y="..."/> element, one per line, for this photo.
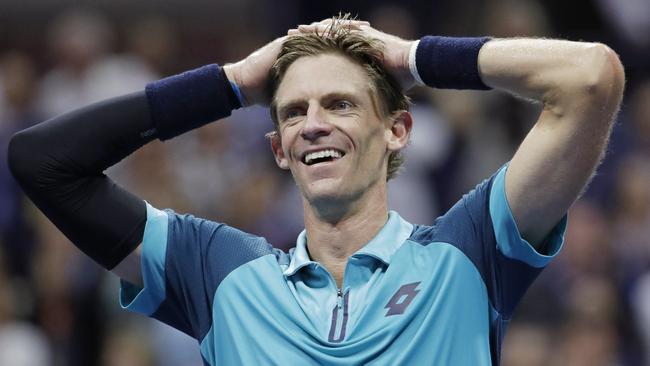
<point x="402" y="299"/>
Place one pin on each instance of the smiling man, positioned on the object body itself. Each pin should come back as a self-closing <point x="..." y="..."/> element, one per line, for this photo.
<point x="362" y="286"/>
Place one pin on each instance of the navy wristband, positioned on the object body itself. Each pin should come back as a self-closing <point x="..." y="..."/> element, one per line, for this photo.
<point x="189" y="100"/>
<point x="450" y="62"/>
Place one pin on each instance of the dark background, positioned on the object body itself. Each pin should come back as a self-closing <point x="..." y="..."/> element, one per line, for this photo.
<point x="590" y="307"/>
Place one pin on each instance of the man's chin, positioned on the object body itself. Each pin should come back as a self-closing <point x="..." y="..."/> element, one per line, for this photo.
<point x="323" y="188"/>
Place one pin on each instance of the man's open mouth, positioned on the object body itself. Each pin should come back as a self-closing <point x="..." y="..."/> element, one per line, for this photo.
<point x="322" y="156"/>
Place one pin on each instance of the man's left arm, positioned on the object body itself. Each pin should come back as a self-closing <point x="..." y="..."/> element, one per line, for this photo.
<point x="580" y="86"/>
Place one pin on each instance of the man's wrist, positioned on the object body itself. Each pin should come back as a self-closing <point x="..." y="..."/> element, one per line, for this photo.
<point x="449" y="62"/>
<point x="411" y="63"/>
<point x="232" y="73"/>
<point x="189" y="100"/>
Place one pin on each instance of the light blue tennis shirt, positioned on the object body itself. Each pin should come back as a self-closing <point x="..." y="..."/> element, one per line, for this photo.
<point x="414" y="295"/>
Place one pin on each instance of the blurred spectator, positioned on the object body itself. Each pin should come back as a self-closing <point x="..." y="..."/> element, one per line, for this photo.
<point x="640" y="118"/>
<point x="154" y="41"/>
<point x="641" y="307"/>
<point x="17" y="111"/>
<point x="628" y="25"/>
<point x="588" y="247"/>
<point x="529" y="344"/>
<point x="85" y="71"/>
<point x="632" y="217"/>
<point x="590" y="335"/>
<point x="67" y="297"/>
<point x="587" y="344"/>
<point x="515" y="18"/>
<point x="629" y="19"/>
<point x="77" y="41"/>
<point x="21" y="344"/>
<point x="128" y="347"/>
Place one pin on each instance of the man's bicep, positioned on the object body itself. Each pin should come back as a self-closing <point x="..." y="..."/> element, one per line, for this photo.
<point x="580" y="86"/>
<point x="129" y="269"/>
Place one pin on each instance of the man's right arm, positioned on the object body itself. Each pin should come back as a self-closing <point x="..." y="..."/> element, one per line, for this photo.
<point x="59" y="163"/>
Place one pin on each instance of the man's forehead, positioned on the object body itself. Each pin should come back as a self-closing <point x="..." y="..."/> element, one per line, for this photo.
<point x="324" y="74"/>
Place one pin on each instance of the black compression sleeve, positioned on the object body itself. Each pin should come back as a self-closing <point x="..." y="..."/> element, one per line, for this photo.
<point x="59" y="164"/>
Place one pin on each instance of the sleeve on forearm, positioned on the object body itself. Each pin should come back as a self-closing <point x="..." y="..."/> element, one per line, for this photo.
<point x="59" y="165"/>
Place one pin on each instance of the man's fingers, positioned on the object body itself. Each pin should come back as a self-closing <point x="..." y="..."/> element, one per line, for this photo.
<point x="328" y="21"/>
<point x="352" y="21"/>
<point x="323" y="26"/>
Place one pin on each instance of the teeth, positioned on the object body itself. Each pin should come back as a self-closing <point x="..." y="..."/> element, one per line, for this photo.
<point x="322" y="154"/>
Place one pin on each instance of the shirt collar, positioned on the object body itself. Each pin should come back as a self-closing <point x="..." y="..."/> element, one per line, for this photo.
<point x="382" y="247"/>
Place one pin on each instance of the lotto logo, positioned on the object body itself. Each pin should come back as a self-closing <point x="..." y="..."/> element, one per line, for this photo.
<point x="402" y="299"/>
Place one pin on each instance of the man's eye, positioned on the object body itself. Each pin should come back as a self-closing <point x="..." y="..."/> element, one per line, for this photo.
<point x="342" y="105"/>
<point x="292" y="113"/>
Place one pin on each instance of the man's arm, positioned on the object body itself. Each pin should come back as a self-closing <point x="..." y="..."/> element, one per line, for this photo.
<point x="59" y="163"/>
<point x="580" y="86"/>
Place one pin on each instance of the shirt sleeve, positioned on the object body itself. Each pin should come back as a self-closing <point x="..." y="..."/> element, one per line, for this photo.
<point x="507" y="262"/>
<point x="184" y="259"/>
<point x="481" y="225"/>
<point x="508" y="238"/>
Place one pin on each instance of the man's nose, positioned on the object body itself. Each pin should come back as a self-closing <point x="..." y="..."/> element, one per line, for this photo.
<point x="316" y="123"/>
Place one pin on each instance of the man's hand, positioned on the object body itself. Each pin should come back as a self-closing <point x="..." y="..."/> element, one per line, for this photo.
<point x="251" y="74"/>
<point x="396" y="51"/>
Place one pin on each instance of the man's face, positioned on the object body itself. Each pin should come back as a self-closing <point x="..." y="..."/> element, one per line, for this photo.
<point x="331" y="134"/>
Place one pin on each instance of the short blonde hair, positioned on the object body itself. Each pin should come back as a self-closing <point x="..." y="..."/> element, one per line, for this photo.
<point x="365" y="51"/>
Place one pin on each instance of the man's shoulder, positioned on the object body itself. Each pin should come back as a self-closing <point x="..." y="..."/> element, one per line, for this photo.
<point x="456" y="226"/>
<point x="219" y="243"/>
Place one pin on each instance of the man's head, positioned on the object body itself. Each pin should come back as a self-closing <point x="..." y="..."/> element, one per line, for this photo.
<point x="365" y="51"/>
<point x="331" y="91"/>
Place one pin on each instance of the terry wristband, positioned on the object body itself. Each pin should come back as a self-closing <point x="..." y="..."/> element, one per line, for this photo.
<point x="189" y="100"/>
<point x="449" y="62"/>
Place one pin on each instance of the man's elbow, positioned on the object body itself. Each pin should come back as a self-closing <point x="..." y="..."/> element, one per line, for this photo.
<point x="605" y="78"/>
<point x="22" y="156"/>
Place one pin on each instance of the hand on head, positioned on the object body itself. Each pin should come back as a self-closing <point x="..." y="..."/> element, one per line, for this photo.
<point x="396" y="49"/>
<point x="251" y="74"/>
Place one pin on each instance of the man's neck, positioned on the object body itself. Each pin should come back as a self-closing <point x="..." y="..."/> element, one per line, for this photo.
<point x="332" y="239"/>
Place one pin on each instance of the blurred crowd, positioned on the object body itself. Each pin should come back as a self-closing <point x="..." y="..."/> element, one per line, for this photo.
<point x="590" y="307"/>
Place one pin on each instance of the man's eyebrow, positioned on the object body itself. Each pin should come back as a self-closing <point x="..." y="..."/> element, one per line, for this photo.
<point x="282" y="106"/>
<point x="341" y="95"/>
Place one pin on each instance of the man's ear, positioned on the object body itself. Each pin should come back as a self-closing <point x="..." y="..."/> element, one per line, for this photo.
<point x="400" y="130"/>
<point x="276" y="147"/>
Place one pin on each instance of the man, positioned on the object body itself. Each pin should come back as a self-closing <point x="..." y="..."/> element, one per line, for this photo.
<point x="362" y="286"/>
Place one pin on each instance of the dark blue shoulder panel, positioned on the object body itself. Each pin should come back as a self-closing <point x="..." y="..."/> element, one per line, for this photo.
<point x="200" y="254"/>
<point x="468" y="227"/>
